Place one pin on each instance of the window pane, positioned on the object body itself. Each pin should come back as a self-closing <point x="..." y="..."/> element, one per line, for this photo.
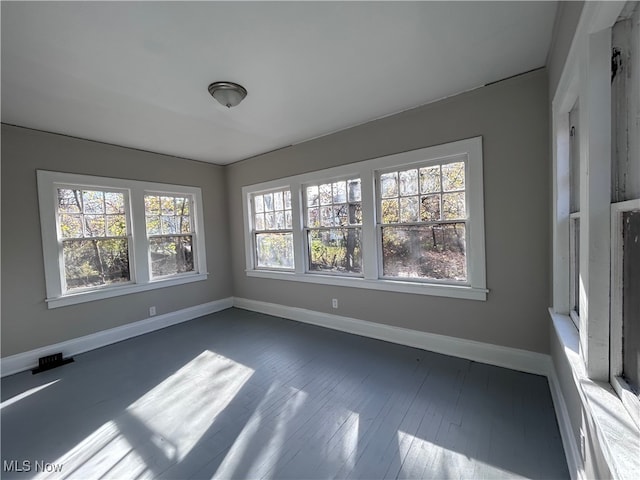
<point x="269" y="220"/>
<point x="259" y="204"/>
<point x="430" y="208"/>
<point x="288" y="223"/>
<point x="575" y="266"/>
<point x="185" y="224"/>
<point x="339" y="192"/>
<point x="340" y="215"/>
<point x="313" y="217"/>
<point x="71" y="226"/>
<point x="259" y="221"/>
<point x="279" y="219"/>
<point x="274" y="250"/>
<point x="631" y="300"/>
<point x="91" y="263"/>
<point x="390" y="212"/>
<point x="167" y="205"/>
<point x="171" y="255"/>
<point x="287" y="199"/>
<point x="335" y="250"/>
<point x="574" y="159"/>
<point x="94" y="225"/>
<point x="268" y="202"/>
<point x="313" y="197"/>
<point x="409" y="209"/>
<point x="354" y="190"/>
<point x="429" y="251"/>
<point x="116" y="226"/>
<point x="278" y="202"/>
<point x="453" y="206"/>
<point x="389" y="184"/>
<point x="152" y="204"/>
<point x="169" y="224"/>
<point x="355" y="214"/>
<point x="453" y="176"/>
<point x="430" y="179"/>
<point x="408" y="182"/>
<point x="114" y="202"/>
<point x="93" y="201"/>
<point x="182" y="206"/>
<point x="153" y="225"/>
<point x="325" y="194"/>
<point x="326" y="216"/>
<point x="69" y="201"/>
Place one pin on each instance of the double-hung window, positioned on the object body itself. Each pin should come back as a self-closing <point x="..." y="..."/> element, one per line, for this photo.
<point x="333" y="227"/>
<point x="170" y="233"/>
<point x="272" y="230"/>
<point x="104" y="237"/>
<point x="411" y="222"/>
<point x="422" y="222"/>
<point x="94" y="237"/>
<point x="597" y="205"/>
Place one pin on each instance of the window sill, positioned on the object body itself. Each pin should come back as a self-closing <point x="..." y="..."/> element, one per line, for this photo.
<point x="438" y="290"/>
<point x="89" y="296"/>
<point x="617" y="434"/>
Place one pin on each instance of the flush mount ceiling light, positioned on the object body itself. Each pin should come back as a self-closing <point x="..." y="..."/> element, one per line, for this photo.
<point x="228" y="94"/>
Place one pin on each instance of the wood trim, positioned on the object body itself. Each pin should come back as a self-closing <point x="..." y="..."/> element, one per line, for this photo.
<point x="513" y="358"/>
<point x="26" y="360"/>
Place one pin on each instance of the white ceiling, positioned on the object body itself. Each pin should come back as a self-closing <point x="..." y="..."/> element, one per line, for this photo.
<point x="136" y="74"/>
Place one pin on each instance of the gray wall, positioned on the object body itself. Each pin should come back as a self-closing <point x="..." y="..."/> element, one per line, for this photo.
<point x="26" y="321"/>
<point x="512" y="117"/>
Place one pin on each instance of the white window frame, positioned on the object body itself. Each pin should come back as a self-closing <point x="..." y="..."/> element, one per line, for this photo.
<point x="139" y="261"/>
<point x="307" y="229"/>
<point x="629" y="399"/>
<point x="380" y="225"/>
<point x="475" y="287"/>
<point x="254" y="232"/>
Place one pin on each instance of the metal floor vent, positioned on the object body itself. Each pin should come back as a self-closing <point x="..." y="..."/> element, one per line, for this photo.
<point x="51" y="361"/>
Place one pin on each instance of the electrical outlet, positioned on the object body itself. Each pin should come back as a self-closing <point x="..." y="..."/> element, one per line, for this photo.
<point x="334" y="302"/>
<point x="152" y="311"/>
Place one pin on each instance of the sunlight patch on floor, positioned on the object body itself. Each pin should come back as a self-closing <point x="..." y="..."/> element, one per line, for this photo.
<point x="182" y="408"/>
<point x="424" y="459"/>
<point x="258" y="443"/>
<point x="163" y="425"/>
<point x="22" y="395"/>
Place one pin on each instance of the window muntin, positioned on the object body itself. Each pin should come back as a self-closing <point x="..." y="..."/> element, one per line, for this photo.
<point x="333" y="226"/>
<point x="273" y="230"/>
<point x="422" y="221"/>
<point x="170" y="233"/>
<point x="93" y="236"/>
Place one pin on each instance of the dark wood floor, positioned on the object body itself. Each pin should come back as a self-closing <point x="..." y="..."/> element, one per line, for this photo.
<point x="243" y="395"/>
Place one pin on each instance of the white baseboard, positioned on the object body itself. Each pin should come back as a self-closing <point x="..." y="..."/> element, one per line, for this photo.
<point x="26" y="360"/>
<point x="513" y="358"/>
<point x="571" y="450"/>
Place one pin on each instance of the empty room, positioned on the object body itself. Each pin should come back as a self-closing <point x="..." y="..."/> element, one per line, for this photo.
<point x="320" y="240"/>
